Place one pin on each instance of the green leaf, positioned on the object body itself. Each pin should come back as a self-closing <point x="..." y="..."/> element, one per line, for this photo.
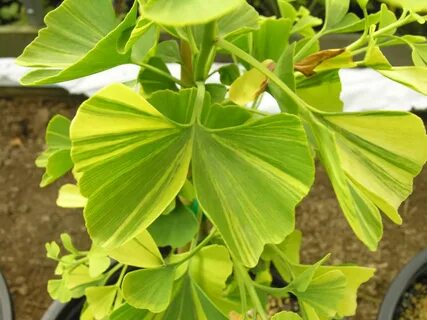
<point x="415" y="5"/>
<point x="127" y="312"/>
<point x="175" y="229"/>
<point x="58" y="290"/>
<point x="249" y="86"/>
<point x="145" y="46"/>
<point x="70" y="48"/>
<point x="78" y="279"/>
<point x="285" y="71"/>
<point x="149" y="289"/>
<point x="140" y="150"/>
<point x="371" y="164"/>
<point x="242" y="20"/>
<point x="52" y="250"/>
<point x="197" y="293"/>
<point x="100" y="300"/>
<point x="336" y="10"/>
<point x="217" y="92"/>
<point x="130" y="36"/>
<point x="140" y="252"/>
<point x="323" y="295"/>
<point x="213" y="117"/>
<point x="305" y="25"/>
<point x="200" y="293"/>
<point x="225" y="164"/>
<point x="68" y="243"/>
<point x="290" y="252"/>
<point x="412" y="77"/>
<point x="355" y="277"/>
<point x="312" y="90"/>
<point x="229" y="73"/>
<point x="56" y="158"/>
<point x="210" y="269"/>
<point x="69" y="197"/>
<point x="362" y="3"/>
<point x="286" y="315"/>
<point x="303" y="280"/>
<point x="375" y="58"/>
<point x="419" y="54"/>
<point x="168" y="51"/>
<point x="152" y="81"/>
<point x="271" y="39"/>
<point x="98" y="261"/>
<point x="287" y="10"/>
<point x="120" y="139"/>
<point x="387" y="17"/>
<point x="189" y="12"/>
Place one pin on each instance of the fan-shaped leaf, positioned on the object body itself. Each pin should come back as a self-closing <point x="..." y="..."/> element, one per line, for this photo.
<point x="272" y="151"/>
<point x="56" y="158"/>
<point x="119" y="139"/>
<point x="189" y="12"/>
<point x="70" y="48"/>
<point x="371" y="164"/>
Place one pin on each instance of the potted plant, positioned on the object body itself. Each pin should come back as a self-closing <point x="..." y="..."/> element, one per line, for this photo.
<point x="407" y="296"/>
<point x="187" y="186"/>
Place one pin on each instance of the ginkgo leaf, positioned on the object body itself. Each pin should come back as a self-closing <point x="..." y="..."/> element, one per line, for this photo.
<point x="58" y="290"/>
<point x="271" y="39"/>
<point x="324" y="294"/>
<point x="149" y="289"/>
<point x="199" y="294"/>
<point x="239" y="21"/>
<point x="371" y="164"/>
<point x="141" y="252"/>
<point x="355" y="276"/>
<point x="69" y="197"/>
<point x="210" y="269"/>
<point x="249" y="85"/>
<point x="70" y="48"/>
<point x="271" y="151"/>
<point x="127" y="312"/>
<point x="56" y="158"/>
<point x="196" y="292"/>
<point x="416" y="5"/>
<point x="100" y="300"/>
<point x="98" y="261"/>
<point x="52" y="250"/>
<point x="312" y="90"/>
<point x="130" y="36"/>
<point x="412" y="77"/>
<point x="68" y="243"/>
<point x="175" y="229"/>
<point x="286" y="315"/>
<point x="119" y="139"/>
<point x="336" y="10"/>
<point x="189" y="12"/>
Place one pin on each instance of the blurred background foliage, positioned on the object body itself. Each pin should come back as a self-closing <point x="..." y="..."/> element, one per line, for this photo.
<point x="13" y="11"/>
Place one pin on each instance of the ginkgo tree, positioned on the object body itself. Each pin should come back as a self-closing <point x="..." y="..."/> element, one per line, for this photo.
<point x="189" y="191"/>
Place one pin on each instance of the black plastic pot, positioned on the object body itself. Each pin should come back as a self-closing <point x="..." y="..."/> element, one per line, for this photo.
<point x="60" y="311"/>
<point x="413" y="271"/>
<point x="6" y="310"/>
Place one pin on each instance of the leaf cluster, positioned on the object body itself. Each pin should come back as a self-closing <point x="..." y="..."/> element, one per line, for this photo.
<point x="187" y="185"/>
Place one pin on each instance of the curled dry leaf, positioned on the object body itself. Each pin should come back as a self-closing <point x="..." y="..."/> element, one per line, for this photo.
<point x="307" y="65"/>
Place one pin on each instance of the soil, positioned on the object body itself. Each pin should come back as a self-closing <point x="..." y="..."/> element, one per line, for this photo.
<point x="29" y="217"/>
<point x="414" y="303"/>
<point x="28" y="214"/>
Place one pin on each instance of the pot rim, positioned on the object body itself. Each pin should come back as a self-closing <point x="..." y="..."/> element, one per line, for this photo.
<point x="6" y="309"/>
<point x="401" y="283"/>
